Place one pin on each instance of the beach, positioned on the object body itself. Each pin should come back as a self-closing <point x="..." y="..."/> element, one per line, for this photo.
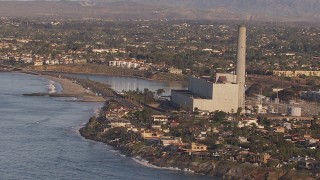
<point x="70" y="88"/>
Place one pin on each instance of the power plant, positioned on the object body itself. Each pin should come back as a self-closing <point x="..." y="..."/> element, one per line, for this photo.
<point x="225" y="93"/>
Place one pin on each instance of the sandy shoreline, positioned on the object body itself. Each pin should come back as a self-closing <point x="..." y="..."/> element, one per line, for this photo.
<point x="75" y="90"/>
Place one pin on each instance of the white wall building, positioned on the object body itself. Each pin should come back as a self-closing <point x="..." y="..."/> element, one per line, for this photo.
<point x="124" y="63"/>
<point x="119" y="123"/>
<point x="294" y="111"/>
<point x="207" y="96"/>
<point x="173" y="70"/>
<point x="160" y="118"/>
<point x="38" y="63"/>
<point x="249" y="122"/>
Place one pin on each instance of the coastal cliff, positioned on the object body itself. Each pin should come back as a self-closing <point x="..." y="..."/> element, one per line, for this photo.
<point x="128" y="144"/>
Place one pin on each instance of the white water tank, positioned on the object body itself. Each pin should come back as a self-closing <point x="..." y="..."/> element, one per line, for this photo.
<point x="294" y="111"/>
<point x="271" y="109"/>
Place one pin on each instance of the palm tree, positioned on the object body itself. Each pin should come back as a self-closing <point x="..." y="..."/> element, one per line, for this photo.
<point x="239" y="110"/>
<point x="255" y="109"/>
<point x="160" y="92"/>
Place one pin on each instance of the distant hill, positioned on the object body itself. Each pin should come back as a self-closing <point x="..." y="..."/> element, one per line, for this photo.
<point x="273" y="10"/>
<point x="261" y="10"/>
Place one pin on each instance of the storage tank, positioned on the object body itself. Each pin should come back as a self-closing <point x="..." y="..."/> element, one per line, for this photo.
<point x="294" y="111"/>
<point x="271" y="109"/>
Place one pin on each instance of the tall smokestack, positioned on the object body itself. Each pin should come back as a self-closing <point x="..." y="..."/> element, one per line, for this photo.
<point x="241" y="64"/>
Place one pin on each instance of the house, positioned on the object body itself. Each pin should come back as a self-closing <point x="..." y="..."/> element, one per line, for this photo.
<point x="119" y="123"/>
<point x="309" y="164"/>
<point x="279" y="129"/>
<point x="52" y="62"/>
<point x="156" y="126"/>
<point x="217" y="155"/>
<point x="127" y="63"/>
<point x="173" y="70"/>
<point x="277" y="89"/>
<point x="132" y="128"/>
<point x="170" y="140"/>
<point x="243" y="139"/>
<point x="287" y="125"/>
<point x="147" y="134"/>
<point x="307" y="136"/>
<point x="230" y="118"/>
<point x="247" y="156"/>
<point x="265" y="158"/>
<point x="174" y="124"/>
<point x="196" y="147"/>
<point x="312" y="140"/>
<point x="166" y="130"/>
<point x="38" y="63"/>
<point x="248" y="122"/>
<point x="296" y="73"/>
<point x="111" y="50"/>
<point x="161" y="119"/>
<point x="117" y="112"/>
<point x="26" y="59"/>
<point x="80" y="61"/>
<point x="202" y="135"/>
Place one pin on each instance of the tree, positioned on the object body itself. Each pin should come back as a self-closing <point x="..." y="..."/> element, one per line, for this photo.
<point x="255" y="109"/>
<point x="239" y="110"/>
<point x="219" y="116"/>
<point x="160" y="92"/>
<point x="148" y="96"/>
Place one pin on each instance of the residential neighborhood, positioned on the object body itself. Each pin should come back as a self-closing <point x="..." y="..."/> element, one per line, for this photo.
<point x="266" y="122"/>
<point x="257" y="140"/>
<point x="190" y="47"/>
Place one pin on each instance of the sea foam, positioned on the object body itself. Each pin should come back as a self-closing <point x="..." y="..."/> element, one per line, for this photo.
<point x="145" y="163"/>
<point x="51" y="87"/>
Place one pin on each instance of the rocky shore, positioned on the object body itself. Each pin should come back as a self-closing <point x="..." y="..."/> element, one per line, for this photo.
<point x="2" y="69"/>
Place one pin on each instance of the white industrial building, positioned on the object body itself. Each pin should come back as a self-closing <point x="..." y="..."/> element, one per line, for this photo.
<point x="225" y="93"/>
<point x="206" y="95"/>
<point x="294" y="111"/>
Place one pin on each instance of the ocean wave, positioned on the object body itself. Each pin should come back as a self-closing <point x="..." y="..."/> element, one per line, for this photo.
<point x="37" y="122"/>
<point x="97" y="111"/>
<point x="51" y="87"/>
<point x="145" y="163"/>
<point x="122" y="155"/>
<point x="116" y="152"/>
<point x="75" y="129"/>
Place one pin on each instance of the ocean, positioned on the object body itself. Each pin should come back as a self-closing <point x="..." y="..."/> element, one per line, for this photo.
<point x="39" y="138"/>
